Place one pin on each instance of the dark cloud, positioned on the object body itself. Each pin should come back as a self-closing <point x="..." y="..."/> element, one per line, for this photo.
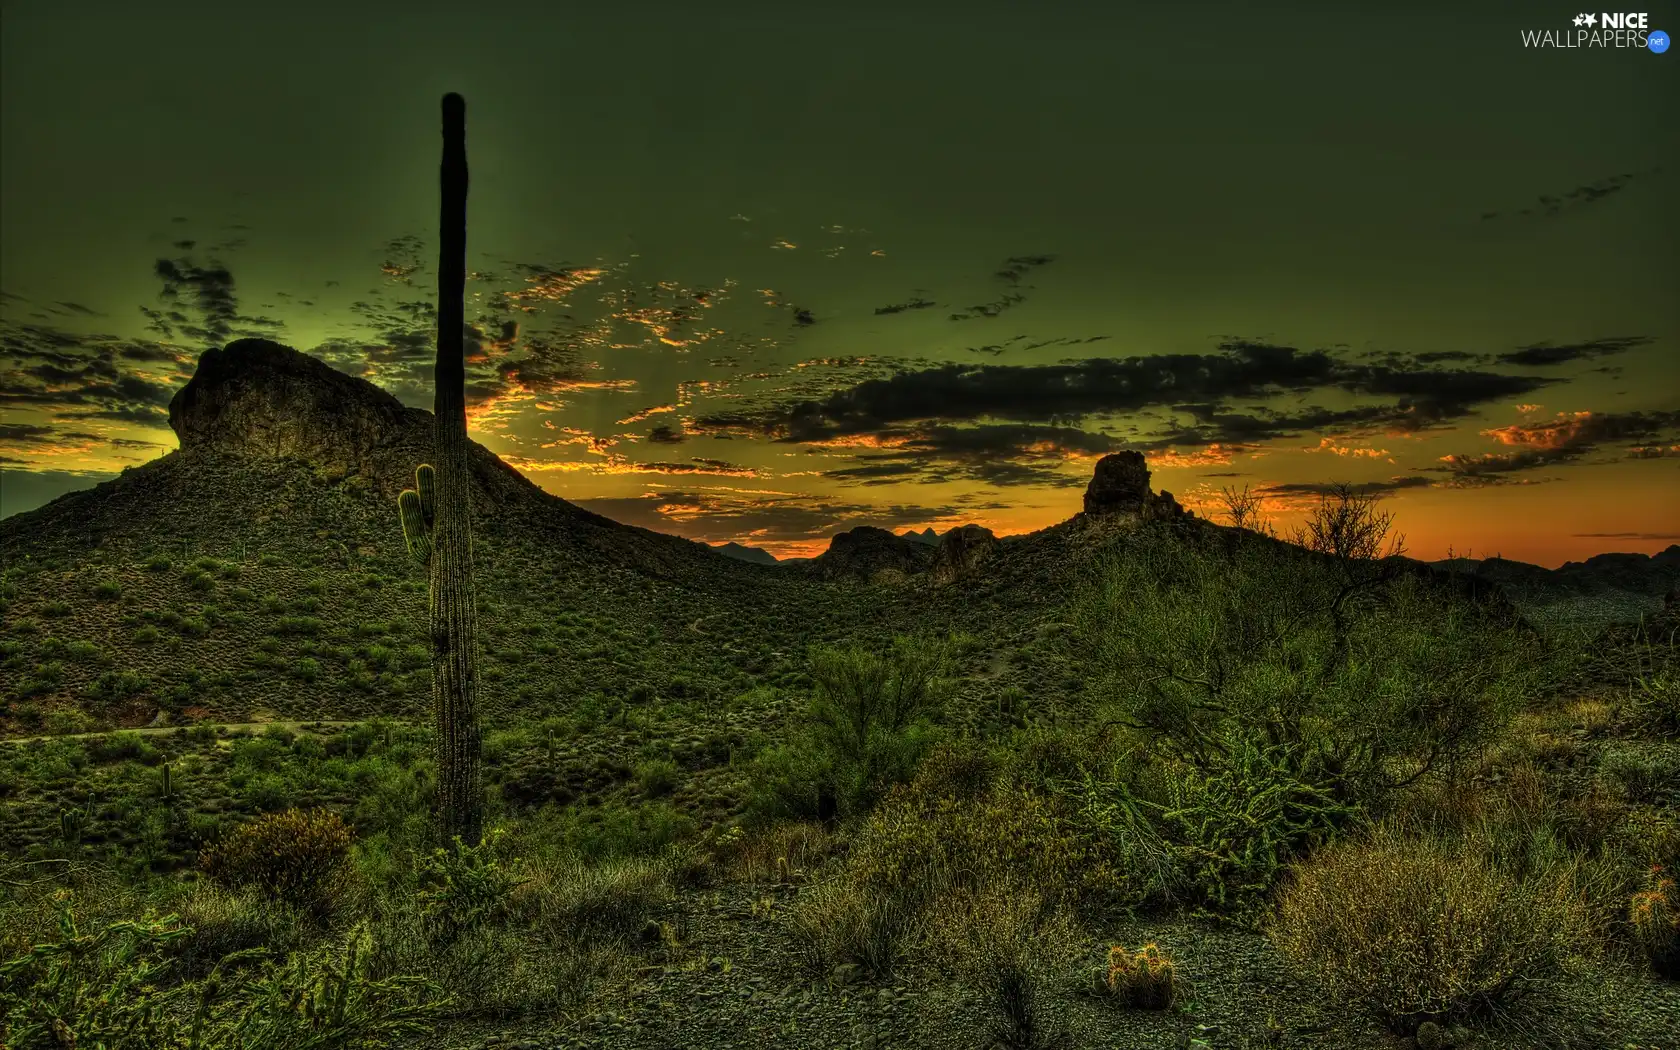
<point x="1013" y="269"/>
<point x="35" y="434"/>
<point x="76" y="376"/>
<point x="1002" y="455"/>
<point x="1550" y="205"/>
<point x="909" y="304"/>
<point x="1066" y="393"/>
<point x="1325" y="488"/>
<point x="1566" y="439"/>
<point x="25" y="434"/>
<point x="1543" y="354"/>
<point x="548" y="366"/>
<point x="665" y="434"/>
<point x="207" y="291"/>
<point x="403" y="258"/>
<point x="1628" y="535"/>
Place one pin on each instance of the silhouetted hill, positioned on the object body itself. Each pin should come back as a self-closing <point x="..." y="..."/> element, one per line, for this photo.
<point x="1605" y="587"/>
<point x="741" y="552"/>
<point x="927" y="536"/>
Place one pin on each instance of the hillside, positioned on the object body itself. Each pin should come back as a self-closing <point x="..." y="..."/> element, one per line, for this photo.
<point x="261" y="567"/>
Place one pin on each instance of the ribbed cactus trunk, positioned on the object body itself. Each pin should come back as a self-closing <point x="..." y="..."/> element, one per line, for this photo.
<point x="460" y="797"/>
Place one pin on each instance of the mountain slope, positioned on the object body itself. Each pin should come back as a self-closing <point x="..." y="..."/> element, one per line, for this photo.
<point x="261" y="568"/>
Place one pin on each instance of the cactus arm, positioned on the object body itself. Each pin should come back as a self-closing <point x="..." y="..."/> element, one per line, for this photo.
<point x="415" y="528"/>
<point x="425" y="482"/>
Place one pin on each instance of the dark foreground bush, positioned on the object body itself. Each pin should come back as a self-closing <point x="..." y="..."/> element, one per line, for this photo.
<point x="111" y="989"/>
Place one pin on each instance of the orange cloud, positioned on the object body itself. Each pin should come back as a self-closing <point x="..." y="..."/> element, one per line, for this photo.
<point x="645" y="413"/>
<point x="1563" y="431"/>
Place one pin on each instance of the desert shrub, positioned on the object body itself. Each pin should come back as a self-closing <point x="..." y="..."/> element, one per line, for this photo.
<point x="1367" y="672"/>
<point x="841" y="922"/>
<point x="461" y="887"/>
<point x="866" y="728"/>
<point x="1125" y="825"/>
<point x="610" y="831"/>
<point x="294" y="856"/>
<point x="221" y="921"/>
<point x="1146" y="979"/>
<point x="783" y="853"/>
<point x="1643" y="776"/>
<point x="95" y="989"/>
<point x="1008" y="943"/>
<point x="921" y="842"/>
<point x="122" y="747"/>
<point x="611" y="901"/>
<point x="657" y="777"/>
<point x="327" y="998"/>
<point x="1654" y="914"/>
<point x="108" y="590"/>
<point x="1420" y="929"/>
<point x="1652" y="673"/>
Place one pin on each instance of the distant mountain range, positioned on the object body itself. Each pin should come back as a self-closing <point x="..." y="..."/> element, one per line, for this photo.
<point x="1616" y="587"/>
<point x="760" y="556"/>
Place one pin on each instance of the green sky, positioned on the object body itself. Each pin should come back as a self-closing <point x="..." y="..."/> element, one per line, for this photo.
<point x="904" y="265"/>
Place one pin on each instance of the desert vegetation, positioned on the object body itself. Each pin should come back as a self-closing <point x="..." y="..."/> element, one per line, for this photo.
<point x="1221" y="769"/>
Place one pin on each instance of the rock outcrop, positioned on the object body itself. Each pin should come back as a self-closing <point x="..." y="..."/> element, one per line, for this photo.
<point x="1120" y="485"/>
<point x="962" y="551"/>
<point x="256" y="397"/>
<point x="868" y="553"/>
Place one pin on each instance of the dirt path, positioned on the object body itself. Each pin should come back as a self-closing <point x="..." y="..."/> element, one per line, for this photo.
<point x="148" y="730"/>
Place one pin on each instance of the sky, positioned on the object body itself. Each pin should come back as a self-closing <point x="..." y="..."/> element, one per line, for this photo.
<point x="763" y="273"/>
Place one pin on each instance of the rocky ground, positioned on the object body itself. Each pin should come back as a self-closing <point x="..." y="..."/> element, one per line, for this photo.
<point x="740" y="989"/>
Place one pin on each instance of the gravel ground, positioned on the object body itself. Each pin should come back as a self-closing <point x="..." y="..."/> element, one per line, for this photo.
<point x="740" y="991"/>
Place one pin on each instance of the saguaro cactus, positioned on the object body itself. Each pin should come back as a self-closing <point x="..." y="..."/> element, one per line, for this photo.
<point x="418" y="507"/>
<point x="460" y="795"/>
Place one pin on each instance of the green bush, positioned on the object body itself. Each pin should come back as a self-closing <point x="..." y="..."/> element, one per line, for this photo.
<point x="1238" y="822"/>
<point x="867" y="727"/>
<point x="122" y="747"/>
<point x="293" y="856"/>
<point x="1378" y="682"/>
<point x="461" y="887"/>
<point x="657" y="777"/>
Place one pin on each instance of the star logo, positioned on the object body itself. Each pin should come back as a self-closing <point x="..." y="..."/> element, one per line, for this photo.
<point x="1580" y="19"/>
<point x="1592" y="20"/>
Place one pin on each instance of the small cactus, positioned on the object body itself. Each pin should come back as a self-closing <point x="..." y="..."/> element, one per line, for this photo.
<point x="1143" y="978"/>
<point x="418" y="506"/>
<point x="1655" y="917"/>
<point x="168" y="781"/>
